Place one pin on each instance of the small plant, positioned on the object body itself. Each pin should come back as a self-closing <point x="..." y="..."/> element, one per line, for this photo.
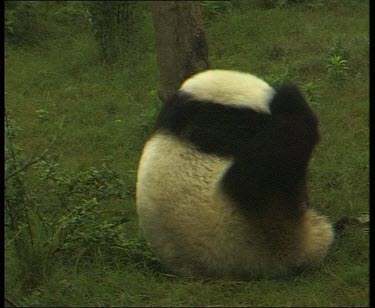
<point x="336" y="47"/>
<point x="310" y="89"/>
<point x="278" y="78"/>
<point x="42" y="114"/>
<point x="213" y="8"/>
<point x="337" y="67"/>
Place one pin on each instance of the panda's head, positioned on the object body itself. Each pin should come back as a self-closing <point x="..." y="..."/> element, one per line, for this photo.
<point x="233" y="88"/>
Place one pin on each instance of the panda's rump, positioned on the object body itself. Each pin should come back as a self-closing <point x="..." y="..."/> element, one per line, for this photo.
<point x="189" y="220"/>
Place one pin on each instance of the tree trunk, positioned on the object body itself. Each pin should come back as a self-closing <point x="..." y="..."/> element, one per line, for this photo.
<point x="180" y="42"/>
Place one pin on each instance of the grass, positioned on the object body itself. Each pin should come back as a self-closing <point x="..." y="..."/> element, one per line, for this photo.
<point x="110" y="110"/>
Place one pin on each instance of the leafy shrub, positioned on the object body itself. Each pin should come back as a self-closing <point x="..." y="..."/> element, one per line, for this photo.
<point x="54" y="212"/>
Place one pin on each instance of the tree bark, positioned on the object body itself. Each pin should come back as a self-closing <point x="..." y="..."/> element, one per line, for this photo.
<point x="180" y="42"/>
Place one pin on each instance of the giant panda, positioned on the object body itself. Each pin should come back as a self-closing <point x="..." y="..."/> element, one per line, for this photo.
<point x="221" y="186"/>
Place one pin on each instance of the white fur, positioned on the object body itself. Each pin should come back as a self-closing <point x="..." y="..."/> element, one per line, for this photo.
<point x="230" y="88"/>
<point x="195" y="230"/>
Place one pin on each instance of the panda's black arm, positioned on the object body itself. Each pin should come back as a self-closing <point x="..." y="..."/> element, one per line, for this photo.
<point x="275" y="161"/>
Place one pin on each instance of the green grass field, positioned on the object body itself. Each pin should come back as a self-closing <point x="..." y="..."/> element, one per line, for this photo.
<point x="109" y="111"/>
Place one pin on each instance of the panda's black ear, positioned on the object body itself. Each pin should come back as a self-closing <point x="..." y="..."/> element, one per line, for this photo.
<point x="289" y="100"/>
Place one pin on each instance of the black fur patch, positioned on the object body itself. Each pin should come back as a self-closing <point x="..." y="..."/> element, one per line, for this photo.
<point x="214" y="128"/>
